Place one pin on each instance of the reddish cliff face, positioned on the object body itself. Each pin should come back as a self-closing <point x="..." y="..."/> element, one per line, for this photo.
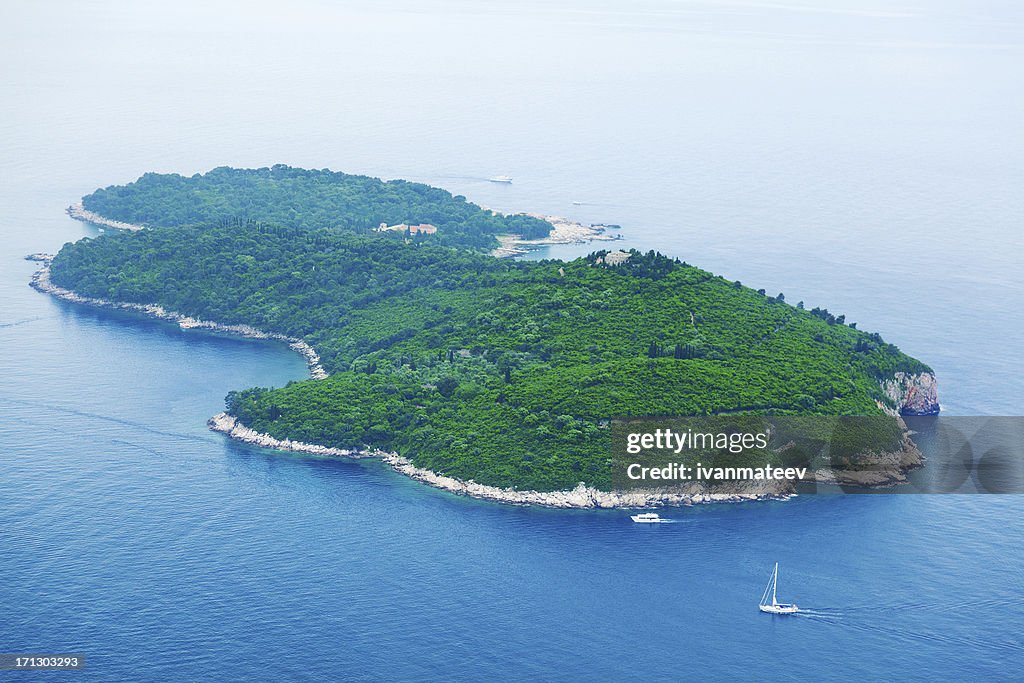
<point x="912" y="394"/>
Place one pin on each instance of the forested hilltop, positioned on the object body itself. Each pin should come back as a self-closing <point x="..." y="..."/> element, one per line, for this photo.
<point x="499" y="371"/>
<point x="308" y="199"/>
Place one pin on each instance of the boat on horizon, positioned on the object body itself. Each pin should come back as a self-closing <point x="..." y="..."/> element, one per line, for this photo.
<point x="501" y="179"/>
<point x="649" y="518"/>
<point x="775" y="607"/>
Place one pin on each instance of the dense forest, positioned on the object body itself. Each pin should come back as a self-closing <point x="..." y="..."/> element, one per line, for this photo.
<point x="307" y="199"/>
<point x="495" y="370"/>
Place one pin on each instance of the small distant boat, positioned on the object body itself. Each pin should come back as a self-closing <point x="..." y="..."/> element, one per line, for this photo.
<point x="576" y="203"/>
<point x="648" y="518"/>
<point x="775" y="607"/>
<point x="501" y="179"/>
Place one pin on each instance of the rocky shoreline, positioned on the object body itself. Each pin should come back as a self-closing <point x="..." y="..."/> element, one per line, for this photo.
<point x="80" y="213"/>
<point x="581" y="497"/>
<point x="882" y="470"/>
<point x="41" y="281"/>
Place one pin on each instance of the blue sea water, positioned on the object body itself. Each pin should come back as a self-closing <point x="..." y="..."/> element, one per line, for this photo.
<point x="856" y="155"/>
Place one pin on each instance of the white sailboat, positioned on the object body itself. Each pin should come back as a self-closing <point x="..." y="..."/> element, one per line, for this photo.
<point x="775" y="607"/>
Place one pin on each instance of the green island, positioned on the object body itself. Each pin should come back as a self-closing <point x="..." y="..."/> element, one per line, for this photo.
<point x="494" y="370"/>
<point x="307" y="199"/>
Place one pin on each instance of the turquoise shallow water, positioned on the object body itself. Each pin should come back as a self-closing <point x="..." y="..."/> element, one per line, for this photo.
<point x="863" y="158"/>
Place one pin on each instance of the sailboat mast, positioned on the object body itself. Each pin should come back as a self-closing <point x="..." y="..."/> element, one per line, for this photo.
<point x="775" y="582"/>
<point x="764" y="595"/>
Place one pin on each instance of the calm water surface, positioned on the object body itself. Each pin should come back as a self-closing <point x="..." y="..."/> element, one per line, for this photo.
<point x="856" y="155"/>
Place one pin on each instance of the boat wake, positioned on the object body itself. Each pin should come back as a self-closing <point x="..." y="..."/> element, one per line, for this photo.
<point x="666" y="521"/>
<point x="821" y="613"/>
<point x="24" y="321"/>
<point x="852" y="618"/>
<point x="951" y="606"/>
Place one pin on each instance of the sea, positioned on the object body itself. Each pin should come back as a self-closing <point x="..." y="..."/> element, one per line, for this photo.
<point x="860" y="155"/>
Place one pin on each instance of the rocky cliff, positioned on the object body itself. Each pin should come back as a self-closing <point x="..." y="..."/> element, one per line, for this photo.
<point x="912" y="394"/>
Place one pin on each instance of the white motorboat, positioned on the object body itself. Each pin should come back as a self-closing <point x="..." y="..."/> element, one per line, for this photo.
<point x="648" y="518"/>
<point x="775" y="607"/>
<point x="501" y="179"/>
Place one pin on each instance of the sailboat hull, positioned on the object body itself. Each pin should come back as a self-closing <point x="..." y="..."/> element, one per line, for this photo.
<point x="779" y="609"/>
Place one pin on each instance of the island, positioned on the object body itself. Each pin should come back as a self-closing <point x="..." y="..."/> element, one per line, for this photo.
<point x="486" y="376"/>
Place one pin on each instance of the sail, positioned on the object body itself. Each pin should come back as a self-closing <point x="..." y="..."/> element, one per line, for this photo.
<point x="770" y="588"/>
